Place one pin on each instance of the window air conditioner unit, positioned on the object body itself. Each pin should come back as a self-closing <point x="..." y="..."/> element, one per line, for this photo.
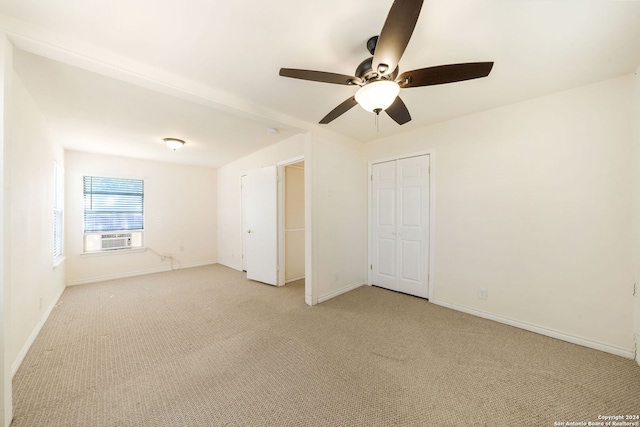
<point x="115" y="241"/>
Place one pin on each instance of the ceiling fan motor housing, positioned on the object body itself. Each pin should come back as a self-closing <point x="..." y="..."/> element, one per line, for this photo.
<point x="366" y="72"/>
<point x="371" y="44"/>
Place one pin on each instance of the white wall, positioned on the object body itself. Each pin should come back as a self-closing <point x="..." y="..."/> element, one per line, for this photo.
<point x="33" y="284"/>
<point x="636" y="210"/>
<point x="339" y="215"/>
<point x="229" y="195"/>
<point x="335" y="191"/>
<point x="532" y="202"/>
<point x="180" y="217"/>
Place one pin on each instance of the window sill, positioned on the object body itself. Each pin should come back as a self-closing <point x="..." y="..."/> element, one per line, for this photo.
<point x="114" y="252"/>
<point x="57" y="262"/>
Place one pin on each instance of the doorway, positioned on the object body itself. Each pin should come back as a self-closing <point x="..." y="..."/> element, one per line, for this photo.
<point x="293" y="223"/>
<point x="274" y="245"/>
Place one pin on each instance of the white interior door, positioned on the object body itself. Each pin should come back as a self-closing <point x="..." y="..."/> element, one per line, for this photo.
<point x="400" y="229"/>
<point x="261" y="234"/>
<point x="245" y="225"/>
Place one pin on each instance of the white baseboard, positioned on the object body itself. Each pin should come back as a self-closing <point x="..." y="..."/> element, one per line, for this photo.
<point x="339" y="292"/>
<point x="585" y="342"/>
<point x="136" y="273"/>
<point x="23" y="352"/>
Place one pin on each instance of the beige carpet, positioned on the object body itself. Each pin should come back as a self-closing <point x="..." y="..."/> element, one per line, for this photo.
<point x="206" y="347"/>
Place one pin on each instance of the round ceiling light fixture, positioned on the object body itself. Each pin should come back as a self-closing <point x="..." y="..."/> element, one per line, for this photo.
<point x="377" y="95"/>
<point x="173" y="143"/>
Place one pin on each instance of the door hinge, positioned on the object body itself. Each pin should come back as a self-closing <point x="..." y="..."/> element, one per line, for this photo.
<point x="372" y="177"/>
<point x="634" y="289"/>
<point x="371" y="267"/>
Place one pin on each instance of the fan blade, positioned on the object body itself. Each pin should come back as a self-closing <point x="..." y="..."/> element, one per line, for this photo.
<point x="395" y="35"/>
<point x="399" y="112"/>
<point x="320" y="76"/>
<point x="444" y="74"/>
<point x="339" y="110"/>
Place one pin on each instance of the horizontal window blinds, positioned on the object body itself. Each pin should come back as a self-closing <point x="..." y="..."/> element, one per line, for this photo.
<point x="113" y="204"/>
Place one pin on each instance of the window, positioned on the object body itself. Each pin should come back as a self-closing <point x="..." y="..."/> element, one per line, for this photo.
<point x="113" y="213"/>
<point x="58" y="214"/>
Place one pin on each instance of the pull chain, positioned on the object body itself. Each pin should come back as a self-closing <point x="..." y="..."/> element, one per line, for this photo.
<point x="377" y="119"/>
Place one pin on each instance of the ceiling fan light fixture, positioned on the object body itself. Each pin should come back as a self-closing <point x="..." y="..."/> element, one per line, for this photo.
<point x="174" y="143"/>
<point x="377" y="95"/>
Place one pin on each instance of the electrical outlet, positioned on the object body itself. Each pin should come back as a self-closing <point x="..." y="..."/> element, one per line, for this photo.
<point x="482" y="293"/>
<point x="335" y="276"/>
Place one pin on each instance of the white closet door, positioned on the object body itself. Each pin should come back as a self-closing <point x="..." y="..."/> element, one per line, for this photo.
<point x="413" y="225"/>
<point x="384" y="225"/>
<point x="400" y="231"/>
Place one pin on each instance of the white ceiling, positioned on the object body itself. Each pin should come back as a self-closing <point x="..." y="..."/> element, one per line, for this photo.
<point x="207" y="71"/>
<point x="90" y="112"/>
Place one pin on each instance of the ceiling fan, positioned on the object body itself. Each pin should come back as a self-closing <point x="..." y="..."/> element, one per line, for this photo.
<point x="378" y="76"/>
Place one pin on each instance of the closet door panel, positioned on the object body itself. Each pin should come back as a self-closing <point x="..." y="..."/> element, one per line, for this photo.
<point x="384" y="217"/>
<point x="413" y="226"/>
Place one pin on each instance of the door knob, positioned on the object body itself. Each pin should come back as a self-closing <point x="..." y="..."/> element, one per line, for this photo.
<point x="249" y="231"/>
